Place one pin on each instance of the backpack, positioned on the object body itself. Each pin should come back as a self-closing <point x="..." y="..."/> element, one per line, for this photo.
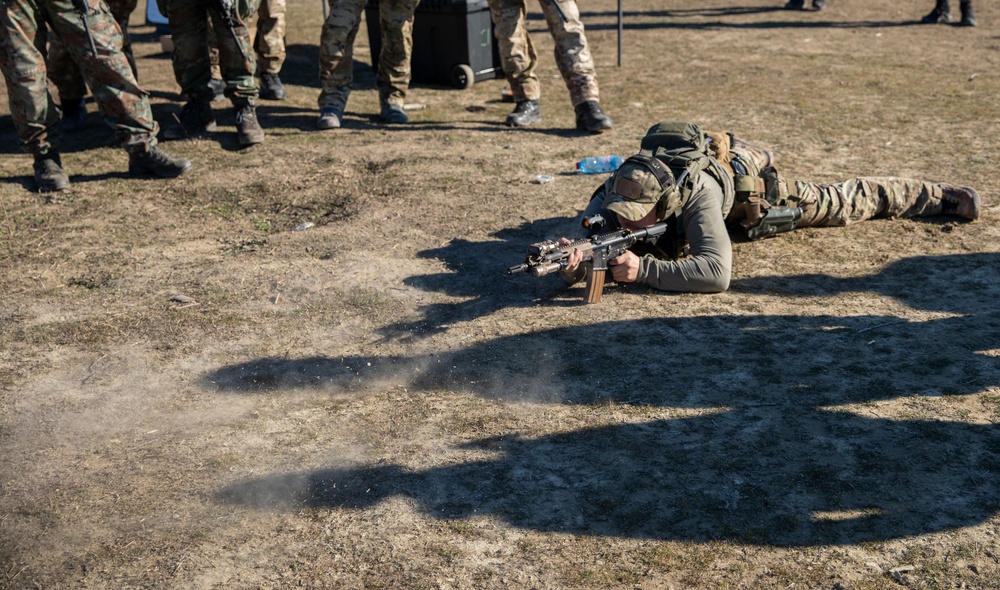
<point x="686" y="150"/>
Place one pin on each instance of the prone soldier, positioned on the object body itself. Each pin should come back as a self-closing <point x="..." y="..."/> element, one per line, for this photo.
<point x="701" y="185"/>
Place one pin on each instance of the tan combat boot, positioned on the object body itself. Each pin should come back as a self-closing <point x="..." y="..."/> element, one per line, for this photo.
<point x="960" y="200"/>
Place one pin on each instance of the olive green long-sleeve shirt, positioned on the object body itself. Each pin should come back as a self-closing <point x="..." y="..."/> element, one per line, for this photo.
<point x="709" y="266"/>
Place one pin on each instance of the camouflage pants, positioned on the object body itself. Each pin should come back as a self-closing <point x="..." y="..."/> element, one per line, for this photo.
<point x="189" y="26"/>
<point x="124" y="105"/>
<point x="336" y="51"/>
<point x="269" y="43"/>
<point x="63" y="71"/>
<point x="519" y="58"/>
<point x="842" y="203"/>
<point x="859" y="199"/>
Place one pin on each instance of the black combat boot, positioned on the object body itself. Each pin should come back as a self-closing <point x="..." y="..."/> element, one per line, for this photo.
<point x="247" y="127"/>
<point x="196" y="117"/>
<point x="795" y="5"/>
<point x="968" y="16"/>
<point x="940" y="14"/>
<point x="819" y="4"/>
<point x="590" y="117"/>
<point x="329" y="118"/>
<point x="156" y="162"/>
<point x="74" y="114"/>
<point x="527" y="112"/>
<point x="49" y="174"/>
<point x="271" y="87"/>
<point x="960" y="200"/>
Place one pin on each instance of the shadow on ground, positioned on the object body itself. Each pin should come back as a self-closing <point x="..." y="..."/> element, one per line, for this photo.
<point x="776" y="457"/>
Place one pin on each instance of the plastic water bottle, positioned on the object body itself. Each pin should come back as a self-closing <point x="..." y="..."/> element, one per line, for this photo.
<point x="599" y="164"/>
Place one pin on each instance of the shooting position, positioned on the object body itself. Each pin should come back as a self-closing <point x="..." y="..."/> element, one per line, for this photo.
<point x="676" y="201"/>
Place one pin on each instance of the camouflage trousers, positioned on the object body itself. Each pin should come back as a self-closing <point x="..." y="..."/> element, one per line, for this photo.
<point x="843" y="203"/>
<point x="125" y="106"/>
<point x="336" y="51"/>
<point x="189" y="25"/>
<point x="859" y="199"/>
<point x="65" y="74"/>
<point x="269" y="43"/>
<point x="519" y="58"/>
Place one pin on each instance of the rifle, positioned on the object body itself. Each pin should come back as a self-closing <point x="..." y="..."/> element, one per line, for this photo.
<point x="227" y="10"/>
<point x="83" y="9"/>
<point x="548" y="257"/>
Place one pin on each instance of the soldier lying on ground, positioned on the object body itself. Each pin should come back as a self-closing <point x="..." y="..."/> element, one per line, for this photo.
<point x="94" y="41"/>
<point x="702" y="184"/>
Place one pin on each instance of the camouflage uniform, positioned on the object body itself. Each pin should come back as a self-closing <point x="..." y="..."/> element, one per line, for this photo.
<point x="124" y="105"/>
<point x="518" y="56"/>
<point x="269" y="43"/>
<point x="189" y="26"/>
<point x="337" y="48"/>
<point x="65" y="74"/>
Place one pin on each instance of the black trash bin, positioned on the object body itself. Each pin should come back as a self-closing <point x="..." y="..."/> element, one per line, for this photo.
<point x="453" y="42"/>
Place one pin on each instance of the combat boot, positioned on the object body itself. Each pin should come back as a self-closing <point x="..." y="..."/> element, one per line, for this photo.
<point x="271" y="87"/>
<point x="49" y="174"/>
<point x="393" y="114"/>
<point x="156" y="162"/>
<point x="527" y="112"/>
<point x="819" y="4"/>
<point x="329" y="118"/>
<point x="960" y="200"/>
<point x="196" y="118"/>
<point x="795" y="5"/>
<point x="74" y="115"/>
<point x="590" y="117"/>
<point x="968" y="16"/>
<point x="247" y="127"/>
<point x="940" y="14"/>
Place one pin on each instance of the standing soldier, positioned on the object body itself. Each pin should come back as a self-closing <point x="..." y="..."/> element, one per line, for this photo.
<point x="519" y="59"/>
<point x="189" y="22"/>
<point x="336" y="50"/>
<point x="67" y="78"/>
<point x="269" y="44"/>
<point x="94" y="40"/>
<point x="942" y="13"/>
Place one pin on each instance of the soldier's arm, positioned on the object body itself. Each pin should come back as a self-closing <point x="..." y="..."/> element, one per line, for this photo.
<point x="571" y="277"/>
<point x="709" y="267"/>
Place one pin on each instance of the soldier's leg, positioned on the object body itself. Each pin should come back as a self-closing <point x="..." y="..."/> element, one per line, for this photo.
<point x="575" y="63"/>
<point x="22" y="34"/>
<point x="191" y="60"/>
<point x="64" y="73"/>
<point x="517" y="55"/>
<point x="336" y="55"/>
<point x="236" y="71"/>
<point x="122" y="11"/>
<point x="124" y="105"/>
<point x="393" y="77"/>
<point x="269" y="43"/>
<point x="31" y="106"/>
<point x="571" y="49"/>
<point x="859" y="199"/>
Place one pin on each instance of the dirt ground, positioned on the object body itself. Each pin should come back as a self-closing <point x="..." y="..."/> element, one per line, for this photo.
<point x="193" y="394"/>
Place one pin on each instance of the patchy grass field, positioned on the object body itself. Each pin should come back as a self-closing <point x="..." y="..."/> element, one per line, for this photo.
<point x="371" y="403"/>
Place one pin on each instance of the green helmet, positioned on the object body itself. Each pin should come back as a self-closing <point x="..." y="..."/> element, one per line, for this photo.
<point x="641" y="184"/>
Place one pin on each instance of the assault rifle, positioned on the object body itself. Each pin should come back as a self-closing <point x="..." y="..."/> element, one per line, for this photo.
<point x="83" y="9"/>
<point x="549" y="256"/>
<point x="227" y="10"/>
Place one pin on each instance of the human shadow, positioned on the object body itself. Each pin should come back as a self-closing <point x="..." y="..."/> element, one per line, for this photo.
<point x="482" y="267"/>
<point x="773" y="432"/>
